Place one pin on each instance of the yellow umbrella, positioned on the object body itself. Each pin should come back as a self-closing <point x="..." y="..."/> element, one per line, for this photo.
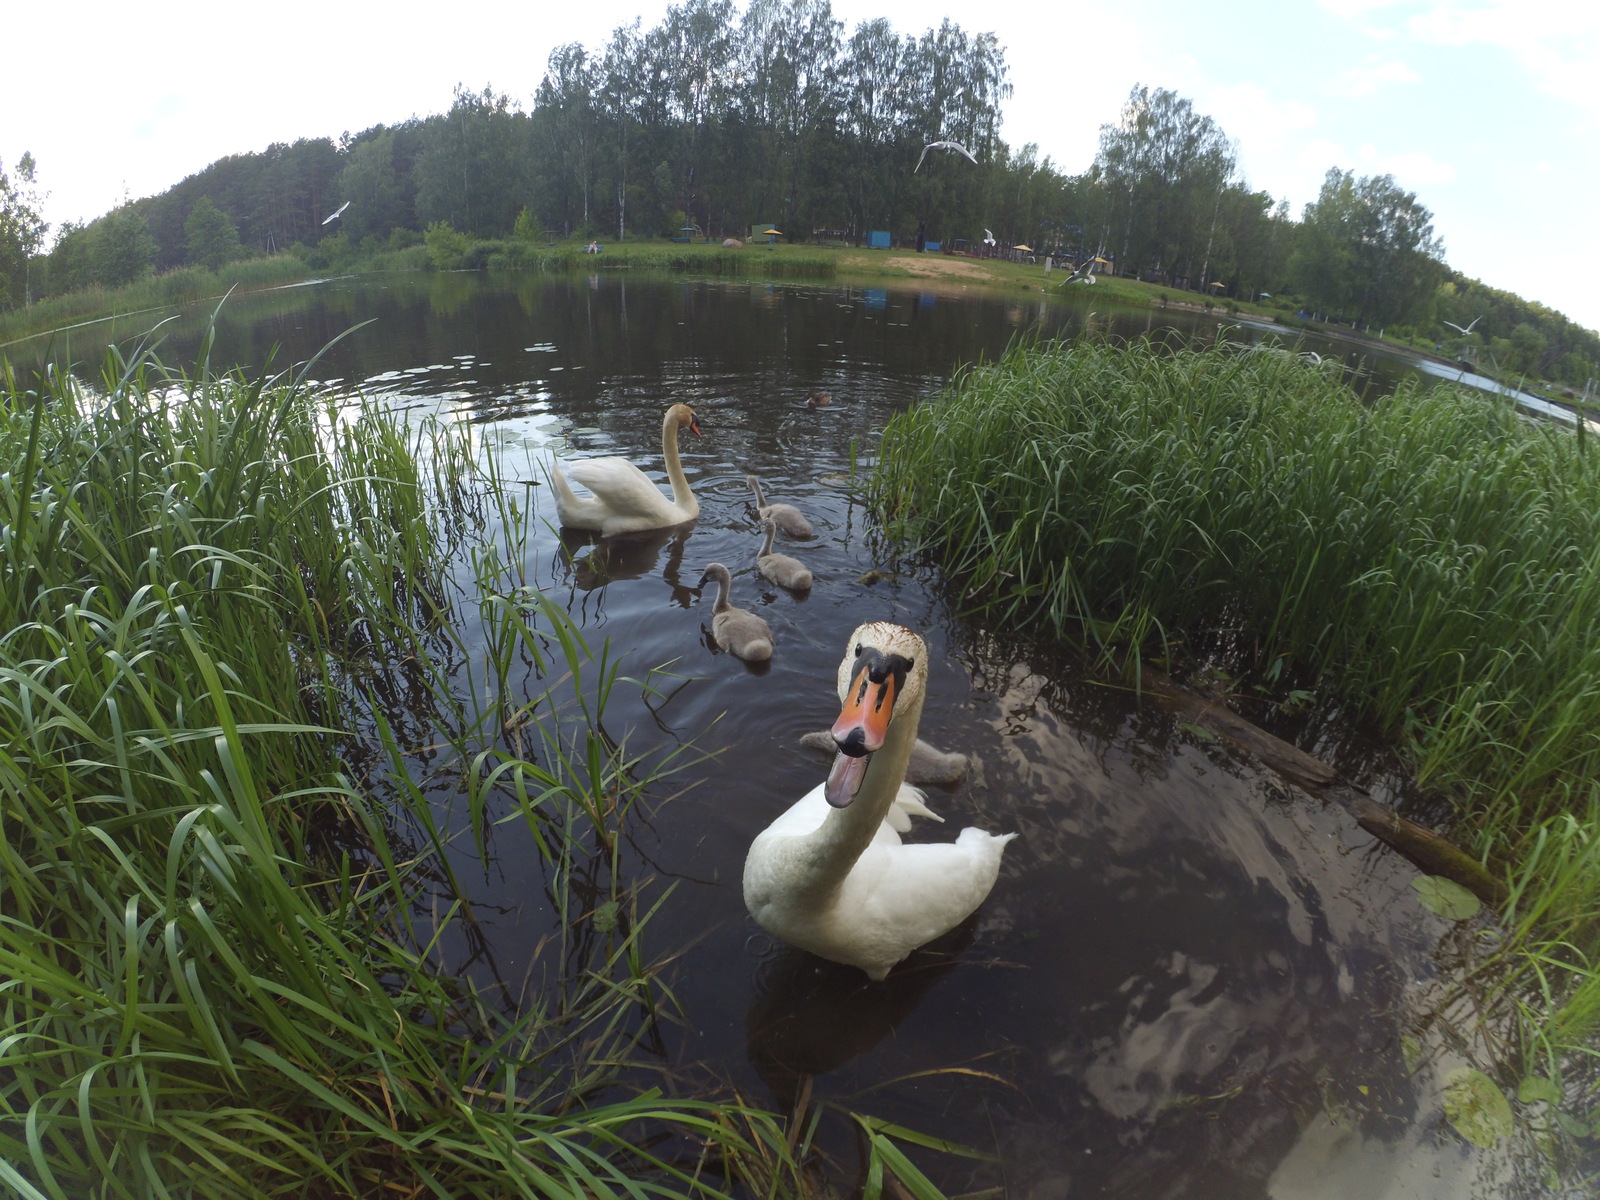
<point x="1217" y="283"/>
<point x="1028" y="248"/>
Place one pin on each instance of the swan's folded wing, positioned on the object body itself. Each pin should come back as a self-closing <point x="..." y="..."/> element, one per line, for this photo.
<point x="908" y="803"/>
<point x="921" y="891"/>
<point x="623" y="487"/>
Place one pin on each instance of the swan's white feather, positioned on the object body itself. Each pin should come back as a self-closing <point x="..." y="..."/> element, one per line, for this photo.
<point x="896" y="898"/>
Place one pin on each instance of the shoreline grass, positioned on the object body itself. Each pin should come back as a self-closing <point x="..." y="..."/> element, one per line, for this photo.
<point x="223" y="888"/>
<point x="1429" y="561"/>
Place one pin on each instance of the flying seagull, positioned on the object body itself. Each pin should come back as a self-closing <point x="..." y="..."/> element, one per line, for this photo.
<point x="956" y="146"/>
<point x="336" y="213"/>
<point x="1468" y="329"/>
<point x="1084" y="269"/>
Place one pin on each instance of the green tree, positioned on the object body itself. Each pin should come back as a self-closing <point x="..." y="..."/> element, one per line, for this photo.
<point x="1367" y="251"/>
<point x="445" y="245"/>
<point x="1167" y="168"/>
<point x="211" y="237"/>
<point x="122" y="249"/>
<point x="371" y="181"/>
<point x="22" y="231"/>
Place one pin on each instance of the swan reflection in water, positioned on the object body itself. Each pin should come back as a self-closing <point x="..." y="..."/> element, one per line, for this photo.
<point x="628" y="556"/>
<point x="809" y="1016"/>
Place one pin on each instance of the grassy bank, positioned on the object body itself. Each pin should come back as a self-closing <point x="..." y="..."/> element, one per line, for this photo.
<point x="1430" y="562"/>
<point x="228" y="732"/>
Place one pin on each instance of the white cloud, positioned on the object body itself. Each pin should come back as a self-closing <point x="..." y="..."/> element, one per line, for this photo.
<point x="1365" y="80"/>
<point x="1555" y="42"/>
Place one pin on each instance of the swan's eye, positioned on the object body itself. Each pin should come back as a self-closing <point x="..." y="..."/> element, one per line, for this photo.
<point x="858" y="649"/>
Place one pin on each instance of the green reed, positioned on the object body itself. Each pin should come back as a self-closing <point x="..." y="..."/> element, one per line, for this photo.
<point x="229" y="752"/>
<point x="1429" y="560"/>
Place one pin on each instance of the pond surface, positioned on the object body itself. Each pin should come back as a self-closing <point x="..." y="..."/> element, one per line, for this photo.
<point x="1188" y="982"/>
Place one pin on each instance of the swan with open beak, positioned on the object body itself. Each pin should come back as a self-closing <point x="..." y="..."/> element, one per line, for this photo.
<point x="831" y="874"/>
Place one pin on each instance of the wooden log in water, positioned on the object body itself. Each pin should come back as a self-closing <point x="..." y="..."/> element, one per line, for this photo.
<point x="1430" y="852"/>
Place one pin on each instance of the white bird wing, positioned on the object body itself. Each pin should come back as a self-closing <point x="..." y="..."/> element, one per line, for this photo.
<point x="915" y="893"/>
<point x="623" y="488"/>
<point x="920" y="157"/>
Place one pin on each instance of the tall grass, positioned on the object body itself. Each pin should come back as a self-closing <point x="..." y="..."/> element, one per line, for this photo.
<point x="183" y="286"/>
<point x="1430" y="559"/>
<point x="225" y="890"/>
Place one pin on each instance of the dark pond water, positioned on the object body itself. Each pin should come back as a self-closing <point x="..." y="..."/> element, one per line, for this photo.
<point x="1188" y="981"/>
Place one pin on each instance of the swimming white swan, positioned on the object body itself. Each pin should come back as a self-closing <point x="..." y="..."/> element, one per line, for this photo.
<point x="831" y="875"/>
<point x="780" y="568"/>
<point x="737" y="630"/>
<point x="624" y="498"/>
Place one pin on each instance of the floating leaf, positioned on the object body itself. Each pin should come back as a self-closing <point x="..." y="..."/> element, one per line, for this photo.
<point x="1363" y="1089"/>
<point x="1537" y="1087"/>
<point x="1411" y="1051"/>
<point x="1445" y="897"/>
<point x="1477" y="1107"/>
<point x="605" y="917"/>
<point x="1571" y="1126"/>
<point x="1199" y="731"/>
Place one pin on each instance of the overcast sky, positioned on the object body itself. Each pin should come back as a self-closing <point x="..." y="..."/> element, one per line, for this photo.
<point x="1488" y="110"/>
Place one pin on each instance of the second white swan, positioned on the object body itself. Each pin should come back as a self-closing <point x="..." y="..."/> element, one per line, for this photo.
<point x="623" y="498"/>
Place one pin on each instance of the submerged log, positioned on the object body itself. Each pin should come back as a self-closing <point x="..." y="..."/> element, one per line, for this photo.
<point x="1430" y="852"/>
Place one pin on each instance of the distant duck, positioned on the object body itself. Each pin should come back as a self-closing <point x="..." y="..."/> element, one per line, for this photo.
<point x="785" y="516"/>
<point x="738" y="631"/>
<point x="625" y="500"/>
<point x="928" y="764"/>
<point x="831" y="874"/>
<point x="819" y="400"/>
<point x="780" y="568"/>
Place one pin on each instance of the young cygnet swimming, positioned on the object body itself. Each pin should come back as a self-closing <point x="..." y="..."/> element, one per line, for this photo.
<point x="780" y="568"/>
<point x="785" y="516"/>
<point x="737" y="630"/>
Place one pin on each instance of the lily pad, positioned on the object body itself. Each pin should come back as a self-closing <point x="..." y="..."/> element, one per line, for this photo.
<point x="1477" y="1107"/>
<point x="1537" y="1087"/>
<point x="1445" y="897"/>
<point x="1411" y="1050"/>
<point x="1571" y="1126"/>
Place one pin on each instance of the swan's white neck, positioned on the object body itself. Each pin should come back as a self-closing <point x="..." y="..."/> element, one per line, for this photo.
<point x="831" y="850"/>
<point x="766" y="546"/>
<point x="681" y="495"/>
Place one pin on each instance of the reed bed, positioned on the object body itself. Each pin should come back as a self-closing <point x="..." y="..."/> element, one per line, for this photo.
<point x="227" y="736"/>
<point x="1429" y="560"/>
<point x="185" y="285"/>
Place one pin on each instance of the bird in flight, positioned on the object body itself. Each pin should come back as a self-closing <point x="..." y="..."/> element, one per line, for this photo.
<point x="955" y="146"/>
<point x="1084" y="269"/>
<point x="336" y="213"/>
<point x="1468" y="329"/>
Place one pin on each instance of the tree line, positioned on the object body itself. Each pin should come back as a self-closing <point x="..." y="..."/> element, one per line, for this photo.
<point x="717" y="120"/>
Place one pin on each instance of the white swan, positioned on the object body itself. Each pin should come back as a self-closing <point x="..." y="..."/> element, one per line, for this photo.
<point x="624" y="499"/>
<point x="831" y="875"/>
